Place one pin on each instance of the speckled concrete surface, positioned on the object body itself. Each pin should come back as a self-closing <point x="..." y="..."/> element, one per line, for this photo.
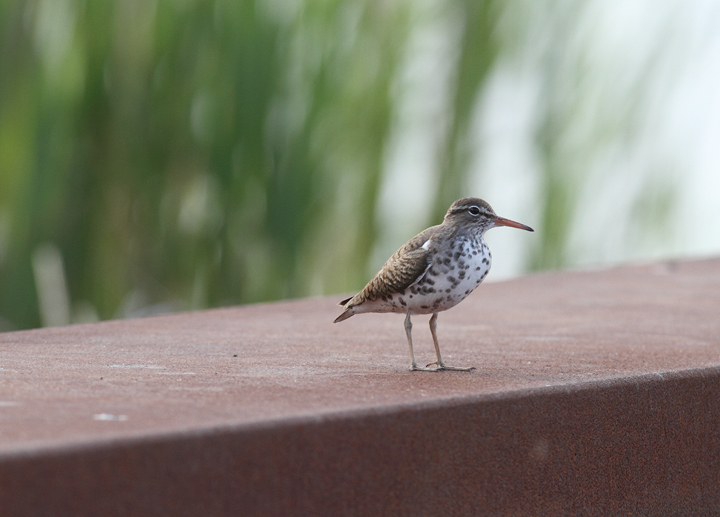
<point x="595" y="393"/>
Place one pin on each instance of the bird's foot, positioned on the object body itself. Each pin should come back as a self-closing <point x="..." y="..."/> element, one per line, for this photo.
<point x="416" y="368"/>
<point x="443" y="366"/>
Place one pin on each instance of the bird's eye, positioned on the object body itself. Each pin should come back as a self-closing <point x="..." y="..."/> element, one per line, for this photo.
<point x="474" y="210"/>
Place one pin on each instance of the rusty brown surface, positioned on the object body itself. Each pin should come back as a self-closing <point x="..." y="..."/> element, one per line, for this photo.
<point x="595" y="393"/>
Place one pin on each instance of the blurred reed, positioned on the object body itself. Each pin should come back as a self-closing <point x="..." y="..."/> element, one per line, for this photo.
<point x="167" y="155"/>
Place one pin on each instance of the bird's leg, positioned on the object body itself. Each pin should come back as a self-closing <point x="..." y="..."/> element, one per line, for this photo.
<point x="440" y="364"/>
<point x="408" y="331"/>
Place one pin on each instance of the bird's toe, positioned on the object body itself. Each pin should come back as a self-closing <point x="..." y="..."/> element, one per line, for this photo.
<point x="416" y="368"/>
<point x="455" y="368"/>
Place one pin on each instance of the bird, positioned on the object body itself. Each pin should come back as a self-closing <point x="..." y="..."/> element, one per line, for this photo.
<point x="433" y="272"/>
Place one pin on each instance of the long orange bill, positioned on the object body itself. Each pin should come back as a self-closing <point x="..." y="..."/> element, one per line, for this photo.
<point x="501" y="221"/>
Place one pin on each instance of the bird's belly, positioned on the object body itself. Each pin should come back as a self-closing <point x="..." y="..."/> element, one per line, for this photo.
<point x="445" y="284"/>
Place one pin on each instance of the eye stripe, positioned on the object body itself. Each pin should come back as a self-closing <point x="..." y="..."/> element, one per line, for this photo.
<point x="481" y="210"/>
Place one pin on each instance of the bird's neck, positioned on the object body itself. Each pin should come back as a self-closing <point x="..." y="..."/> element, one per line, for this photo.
<point x="465" y="232"/>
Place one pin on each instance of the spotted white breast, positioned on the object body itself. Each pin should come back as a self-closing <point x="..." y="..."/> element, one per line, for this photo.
<point x="451" y="276"/>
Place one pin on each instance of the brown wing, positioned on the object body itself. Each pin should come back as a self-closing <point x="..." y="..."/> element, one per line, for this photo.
<point x="399" y="272"/>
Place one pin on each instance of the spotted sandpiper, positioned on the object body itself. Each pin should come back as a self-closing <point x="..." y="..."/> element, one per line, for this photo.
<point x="433" y="271"/>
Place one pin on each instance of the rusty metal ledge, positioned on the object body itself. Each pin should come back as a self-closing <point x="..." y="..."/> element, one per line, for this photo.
<point x="596" y="393"/>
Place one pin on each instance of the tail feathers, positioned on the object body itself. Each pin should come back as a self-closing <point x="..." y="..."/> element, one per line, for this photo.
<point x="345" y="315"/>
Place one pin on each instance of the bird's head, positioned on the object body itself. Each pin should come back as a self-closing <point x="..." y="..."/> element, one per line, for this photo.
<point x="472" y="212"/>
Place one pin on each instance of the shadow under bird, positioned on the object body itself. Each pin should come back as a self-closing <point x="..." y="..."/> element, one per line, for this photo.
<point x="433" y="271"/>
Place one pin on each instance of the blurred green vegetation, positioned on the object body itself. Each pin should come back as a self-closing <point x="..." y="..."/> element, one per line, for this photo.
<point x="164" y="155"/>
<point x="198" y="153"/>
